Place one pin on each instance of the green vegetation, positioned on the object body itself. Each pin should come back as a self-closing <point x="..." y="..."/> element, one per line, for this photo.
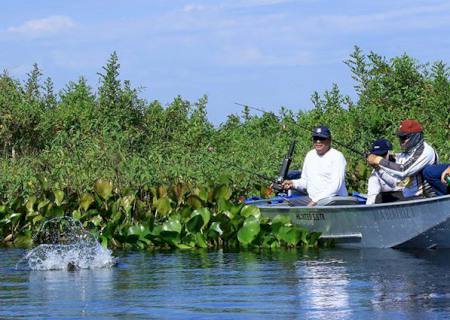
<point x="179" y="217"/>
<point x="141" y="174"/>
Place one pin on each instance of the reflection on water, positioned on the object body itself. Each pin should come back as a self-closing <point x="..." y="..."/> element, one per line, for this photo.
<point x="324" y="284"/>
<point x="72" y="290"/>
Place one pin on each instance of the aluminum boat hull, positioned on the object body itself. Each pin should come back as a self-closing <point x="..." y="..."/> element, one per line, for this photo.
<point x="423" y="223"/>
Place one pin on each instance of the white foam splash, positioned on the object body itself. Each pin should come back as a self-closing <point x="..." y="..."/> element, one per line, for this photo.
<point x="69" y="247"/>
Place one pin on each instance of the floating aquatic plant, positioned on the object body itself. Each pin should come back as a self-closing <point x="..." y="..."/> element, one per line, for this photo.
<point x="178" y="216"/>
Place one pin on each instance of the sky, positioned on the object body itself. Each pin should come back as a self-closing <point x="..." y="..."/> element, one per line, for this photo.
<point x="264" y="53"/>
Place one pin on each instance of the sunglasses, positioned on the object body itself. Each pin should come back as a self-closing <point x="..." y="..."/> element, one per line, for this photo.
<point x="403" y="138"/>
<point x="319" y="138"/>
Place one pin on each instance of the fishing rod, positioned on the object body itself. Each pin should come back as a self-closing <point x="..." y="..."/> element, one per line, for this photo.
<point x="228" y="163"/>
<point x="362" y="154"/>
<point x="276" y="184"/>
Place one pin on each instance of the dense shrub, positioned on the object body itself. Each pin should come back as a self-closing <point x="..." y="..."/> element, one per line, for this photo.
<point x="73" y="138"/>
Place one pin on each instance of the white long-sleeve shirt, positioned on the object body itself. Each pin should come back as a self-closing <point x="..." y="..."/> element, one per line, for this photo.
<point x="323" y="176"/>
<point x="380" y="181"/>
<point x="409" y="167"/>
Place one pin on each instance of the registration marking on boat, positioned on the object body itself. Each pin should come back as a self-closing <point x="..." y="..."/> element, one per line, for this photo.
<point x="310" y="216"/>
<point x="400" y="213"/>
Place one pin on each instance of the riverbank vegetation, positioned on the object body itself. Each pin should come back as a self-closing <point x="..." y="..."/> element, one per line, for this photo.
<point x="141" y="174"/>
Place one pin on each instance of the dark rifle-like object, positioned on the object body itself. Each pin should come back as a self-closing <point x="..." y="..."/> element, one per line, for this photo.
<point x="284" y="168"/>
<point x="362" y="154"/>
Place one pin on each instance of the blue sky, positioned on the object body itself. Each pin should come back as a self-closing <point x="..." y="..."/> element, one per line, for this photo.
<point x="267" y="53"/>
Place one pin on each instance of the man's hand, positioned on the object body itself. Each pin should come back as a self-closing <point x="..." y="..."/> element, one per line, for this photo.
<point x="444" y="174"/>
<point x="374" y="160"/>
<point x="287" y="184"/>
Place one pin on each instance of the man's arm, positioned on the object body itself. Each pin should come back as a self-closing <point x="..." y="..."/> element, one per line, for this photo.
<point x="415" y="163"/>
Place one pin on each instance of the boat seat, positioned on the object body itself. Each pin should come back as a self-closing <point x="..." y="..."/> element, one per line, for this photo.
<point x="336" y="201"/>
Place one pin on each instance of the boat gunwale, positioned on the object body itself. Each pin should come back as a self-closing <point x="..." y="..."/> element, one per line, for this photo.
<point x="357" y="206"/>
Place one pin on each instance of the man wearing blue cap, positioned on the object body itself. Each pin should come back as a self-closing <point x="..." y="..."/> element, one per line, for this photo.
<point x="379" y="180"/>
<point x="323" y="173"/>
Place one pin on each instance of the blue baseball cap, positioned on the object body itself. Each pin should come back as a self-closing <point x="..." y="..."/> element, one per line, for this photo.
<point x="381" y="146"/>
<point x="321" y="132"/>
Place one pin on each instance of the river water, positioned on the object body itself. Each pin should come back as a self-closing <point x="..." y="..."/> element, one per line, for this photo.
<point x="288" y="284"/>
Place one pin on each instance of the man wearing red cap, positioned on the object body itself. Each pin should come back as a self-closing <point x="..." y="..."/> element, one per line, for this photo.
<point x="410" y="163"/>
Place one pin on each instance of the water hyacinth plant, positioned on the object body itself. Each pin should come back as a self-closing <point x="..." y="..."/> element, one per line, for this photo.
<point x="180" y="216"/>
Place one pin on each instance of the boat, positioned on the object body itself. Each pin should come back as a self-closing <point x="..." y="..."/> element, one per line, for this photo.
<point x="418" y="223"/>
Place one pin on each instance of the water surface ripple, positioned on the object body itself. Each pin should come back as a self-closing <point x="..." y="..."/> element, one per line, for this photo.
<point x="325" y="284"/>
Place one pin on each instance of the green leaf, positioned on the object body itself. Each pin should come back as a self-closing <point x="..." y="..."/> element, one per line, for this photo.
<point x="24" y="239"/>
<point x="86" y="200"/>
<point x="103" y="188"/>
<point x="156" y="231"/>
<point x="200" y="241"/>
<point x="199" y="219"/>
<point x="291" y="235"/>
<point x="37" y="219"/>
<point x="270" y="241"/>
<point x="30" y="203"/>
<point x="115" y="216"/>
<point x="172" y="225"/>
<point x="104" y="241"/>
<point x="170" y="231"/>
<point x="222" y="192"/>
<point x="195" y="223"/>
<point x="279" y="221"/>
<point x="42" y="204"/>
<point x="183" y="246"/>
<point x="126" y="202"/>
<point x="14" y="216"/>
<point x="223" y="205"/>
<point x="163" y="206"/>
<point x="96" y="220"/>
<point x="313" y="239"/>
<point x="139" y="230"/>
<point x="56" y="212"/>
<point x="215" y="230"/>
<point x="76" y="214"/>
<point x="195" y="201"/>
<point x="249" y="230"/>
<point x="249" y="210"/>
<point x="203" y="194"/>
<point x="59" y="197"/>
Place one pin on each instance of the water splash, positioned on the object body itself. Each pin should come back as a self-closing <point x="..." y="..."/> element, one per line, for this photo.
<point x="66" y="245"/>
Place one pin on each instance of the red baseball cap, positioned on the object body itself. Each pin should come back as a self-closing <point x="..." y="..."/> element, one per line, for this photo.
<point x="409" y="126"/>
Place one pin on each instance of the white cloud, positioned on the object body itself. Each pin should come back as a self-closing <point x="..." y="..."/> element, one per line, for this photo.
<point x="193" y="7"/>
<point x="251" y="56"/>
<point x="43" y="27"/>
<point x="429" y="16"/>
<point x="255" y="3"/>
